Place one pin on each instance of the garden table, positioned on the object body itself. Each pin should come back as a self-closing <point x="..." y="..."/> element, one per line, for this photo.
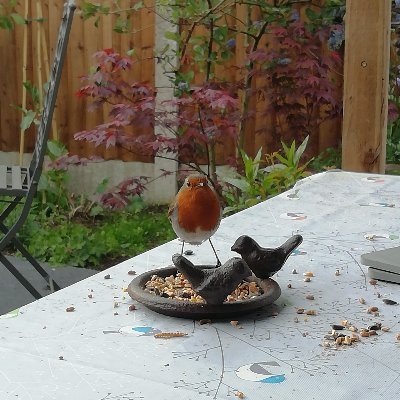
<point x="104" y="351"/>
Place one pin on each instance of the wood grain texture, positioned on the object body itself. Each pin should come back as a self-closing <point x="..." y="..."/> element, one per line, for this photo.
<point x="366" y="74"/>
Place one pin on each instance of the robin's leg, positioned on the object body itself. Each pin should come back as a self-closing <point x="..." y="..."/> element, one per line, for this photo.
<point x="218" y="261"/>
<point x="183" y="245"/>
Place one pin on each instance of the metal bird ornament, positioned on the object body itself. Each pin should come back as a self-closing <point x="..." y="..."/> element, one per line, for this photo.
<point x="196" y="212"/>
<point x="213" y="284"/>
<point x="265" y="262"/>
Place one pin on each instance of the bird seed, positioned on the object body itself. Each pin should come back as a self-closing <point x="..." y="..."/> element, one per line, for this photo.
<point x="309" y="274"/>
<point x="390" y="302"/>
<point x="179" y="288"/>
<point x="169" y="335"/>
<point x="310" y="297"/>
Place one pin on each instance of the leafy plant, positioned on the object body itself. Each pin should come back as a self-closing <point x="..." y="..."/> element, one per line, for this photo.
<point x="299" y="86"/>
<point x="330" y="158"/>
<point x="93" y="242"/>
<point x="8" y="16"/>
<point x="283" y="170"/>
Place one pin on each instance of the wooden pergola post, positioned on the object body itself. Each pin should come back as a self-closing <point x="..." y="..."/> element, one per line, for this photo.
<point x="366" y="76"/>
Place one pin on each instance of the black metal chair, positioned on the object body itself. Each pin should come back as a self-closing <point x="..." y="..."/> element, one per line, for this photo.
<point x="18" y="185"/>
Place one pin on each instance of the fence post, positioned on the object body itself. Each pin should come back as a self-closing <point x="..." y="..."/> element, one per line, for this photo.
<point x="366" y="76"/>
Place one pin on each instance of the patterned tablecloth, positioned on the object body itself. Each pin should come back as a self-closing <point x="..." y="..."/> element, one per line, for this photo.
<point x="103" y="351"/>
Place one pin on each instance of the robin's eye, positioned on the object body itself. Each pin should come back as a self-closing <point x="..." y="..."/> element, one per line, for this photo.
<point x="188" y="184"/>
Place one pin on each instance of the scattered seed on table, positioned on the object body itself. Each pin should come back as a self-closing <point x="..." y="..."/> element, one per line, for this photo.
<point x="188" y="252"/>
<point x="390" y="302"/>
<point x="355" y="338"/>
<point x="344" y="322"/>
<point x="375" y="327"/>
<point x="108" y="276"/>
<point x="361" y="300"/>
<point x="296" y="319"/>
<point x="308" y="273"/>
<point x="347" y="340"/>
<point x="372" y="309"/>
<point x="61" y="358"/>
<point x="372" y="332"/>
<point x="311" y="312"/>
<point x="116" y="313"/>
<point x="364" y="333"/>
<point x="239" y="394"/>
<point x="307" y="279"/>
<point x="339" y="340"/>
<point x="385" y="329"/>
<point x="90" y="296"/>
<point x="205" y="321"/>
<point x="116" y="304"/>
<point x="294" y="271"/>
<point x="169" y="335"/>
<point x="131" y="272"/>
<point x="373" y="282"/>
<point x="234" y="323"/>
<point x="398" y="336"/>
<point x="310" y="297"/>
<point x="132" y="307"/>
<point x="378" y="295"/>
<point x="337" y="272"/>
<point x="353" y="328"/>
<point x="289" y="285"/>
<point x="70" y="309"/>
<point x="337" y="327"/>
<point x="300" y="310"/>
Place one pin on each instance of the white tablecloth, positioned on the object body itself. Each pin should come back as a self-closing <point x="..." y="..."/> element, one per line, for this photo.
<point x="104" y="352"/>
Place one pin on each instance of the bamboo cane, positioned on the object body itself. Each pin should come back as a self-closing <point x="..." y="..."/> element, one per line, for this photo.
<point x="45" y="56"/>
<point x="39" y="55"/>
<point x="24" y="67"/>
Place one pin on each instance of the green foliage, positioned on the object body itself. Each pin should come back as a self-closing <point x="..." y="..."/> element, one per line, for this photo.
<point x="256" y="184"/>
<point x="60" y="240"/>
<point x="8" y="16"/>
<point x="393" y="143"/>
<point x="330" y="158"/>
<point x="53" y="194"/>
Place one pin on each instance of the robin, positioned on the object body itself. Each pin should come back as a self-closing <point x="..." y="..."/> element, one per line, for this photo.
<point x="196" y="212"/>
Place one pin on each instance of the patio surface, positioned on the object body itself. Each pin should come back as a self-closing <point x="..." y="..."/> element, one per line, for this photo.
<point x="14" y="295"/>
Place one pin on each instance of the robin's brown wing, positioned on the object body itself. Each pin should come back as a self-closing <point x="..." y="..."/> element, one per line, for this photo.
<point x="171" y="209"/>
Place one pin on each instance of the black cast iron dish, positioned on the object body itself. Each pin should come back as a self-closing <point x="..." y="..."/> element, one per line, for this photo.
<point x="217" y="283"/>
<point x="185" y="309"/>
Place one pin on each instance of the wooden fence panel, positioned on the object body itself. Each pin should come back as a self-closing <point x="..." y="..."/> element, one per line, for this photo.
<point x="71" y="113"/>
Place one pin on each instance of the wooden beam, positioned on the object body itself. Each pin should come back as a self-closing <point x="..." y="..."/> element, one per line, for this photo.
<point x="366" y="76"/>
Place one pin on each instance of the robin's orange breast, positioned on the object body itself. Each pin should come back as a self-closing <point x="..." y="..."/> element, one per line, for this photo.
<point x="198" y="208"/>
